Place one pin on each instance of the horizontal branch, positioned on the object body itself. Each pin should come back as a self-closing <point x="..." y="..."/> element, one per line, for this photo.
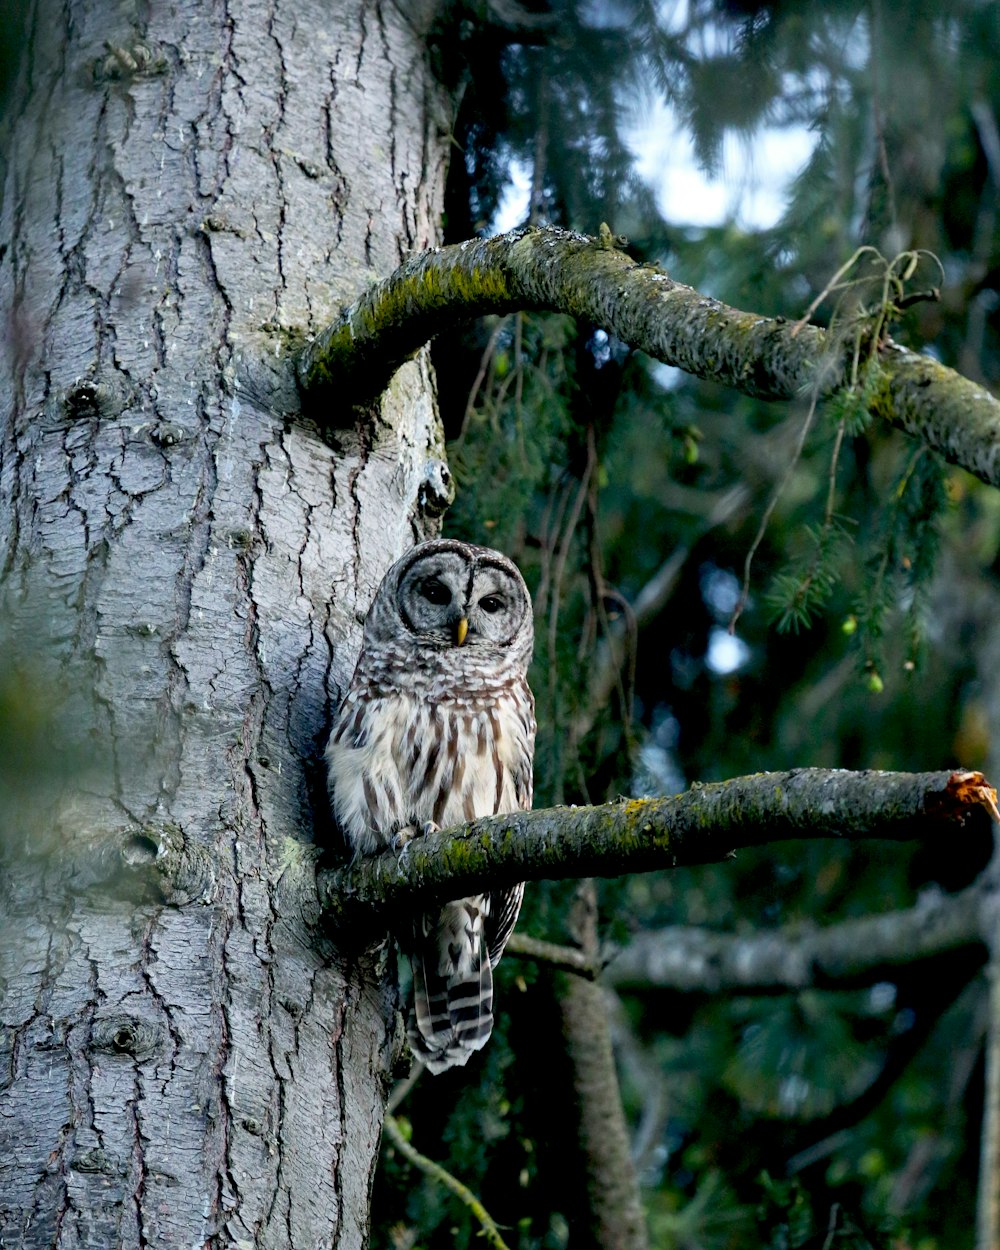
<point x="696" y="960"/>
<point x="590" y="279"/>
<point x="704" y="825"/>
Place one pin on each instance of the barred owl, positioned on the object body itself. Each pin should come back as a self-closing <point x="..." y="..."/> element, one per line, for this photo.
<point x="438" y="728"/>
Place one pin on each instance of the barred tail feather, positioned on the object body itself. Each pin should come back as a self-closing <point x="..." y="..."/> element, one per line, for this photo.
<point x="452" y="986"/>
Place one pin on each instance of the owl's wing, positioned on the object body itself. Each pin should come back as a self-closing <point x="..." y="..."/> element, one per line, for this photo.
<point x="522" y="777"/>
<point x="523" y="774"/>
<point x="504" y="906"/>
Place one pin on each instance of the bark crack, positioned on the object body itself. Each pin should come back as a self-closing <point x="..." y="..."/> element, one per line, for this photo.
<point x="55" y="1165"/>
<point x="138" y="1161"/>
<point x="226" y="1175"/>
<point x="281" y="103"/>
<point x="342" y="1059"/>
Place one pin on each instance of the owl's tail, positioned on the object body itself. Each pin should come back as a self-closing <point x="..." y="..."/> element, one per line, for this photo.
<point x="452" y="986"/>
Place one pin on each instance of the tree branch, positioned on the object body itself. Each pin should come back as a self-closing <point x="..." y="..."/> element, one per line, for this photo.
<point x="521" y="23"/>
<point x="553" y="955"/>
<point x="704" y="825"/>
<point x="589" y="278"/>
<point x="691" y="959"/>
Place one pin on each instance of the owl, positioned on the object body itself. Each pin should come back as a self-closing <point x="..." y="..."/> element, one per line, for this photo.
<point x="438" y="728"/>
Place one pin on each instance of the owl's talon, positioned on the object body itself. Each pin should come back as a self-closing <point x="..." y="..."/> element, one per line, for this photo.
<point x="403" y="837"/>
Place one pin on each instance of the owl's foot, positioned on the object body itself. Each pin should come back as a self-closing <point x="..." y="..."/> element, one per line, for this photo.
<point x="403" y="837"/>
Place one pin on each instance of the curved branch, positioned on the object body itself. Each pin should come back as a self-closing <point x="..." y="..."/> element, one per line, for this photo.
<point x="691" y="959"/>
<point x="704" y="825"/>
<point x="588" y="278"/>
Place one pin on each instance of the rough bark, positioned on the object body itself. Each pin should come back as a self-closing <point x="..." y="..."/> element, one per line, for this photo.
<point x="644" y="306"/>
<point x="183" y="182"/>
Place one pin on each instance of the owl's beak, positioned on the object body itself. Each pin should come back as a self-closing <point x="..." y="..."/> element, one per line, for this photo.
<point x="461" y="630"/>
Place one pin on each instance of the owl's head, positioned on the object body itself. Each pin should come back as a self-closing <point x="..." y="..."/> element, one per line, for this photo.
<point x="446" y="594"/>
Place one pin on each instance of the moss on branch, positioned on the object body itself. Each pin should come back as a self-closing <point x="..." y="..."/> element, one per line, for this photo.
<point x="703" y="825"/>
<point x="354" y="358"/>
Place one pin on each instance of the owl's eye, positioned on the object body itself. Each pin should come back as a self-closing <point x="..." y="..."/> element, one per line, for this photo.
<point x="435" y="592"/>
<point x="491" y="604"/>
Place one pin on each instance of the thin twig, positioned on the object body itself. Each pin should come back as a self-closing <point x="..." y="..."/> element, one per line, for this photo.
<point x="556" y="782"/>
<point x="769" y="510"/>
<point x="402" y="1089"/>
<point x="489" y="352"/>
<point x="883" y="156"/>
<point x="831" y="492"/>
<point x="831" y="1227"/>
<point x="443" y="1177"/>
<point x="834" y="284"/>
<point x="649" y="602"/>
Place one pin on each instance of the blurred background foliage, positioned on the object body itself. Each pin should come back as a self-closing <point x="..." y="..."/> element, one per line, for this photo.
<point x="631" y="496"/>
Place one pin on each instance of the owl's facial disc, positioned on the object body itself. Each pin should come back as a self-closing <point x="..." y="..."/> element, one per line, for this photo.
<point x="448" y="600"/>
<point x="431" y="598"/>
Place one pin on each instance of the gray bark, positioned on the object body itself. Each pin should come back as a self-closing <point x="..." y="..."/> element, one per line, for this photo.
<point x="183" y="184"/>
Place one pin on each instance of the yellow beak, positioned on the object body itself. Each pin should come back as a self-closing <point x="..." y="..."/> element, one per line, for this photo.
<point x="461" y="630"/>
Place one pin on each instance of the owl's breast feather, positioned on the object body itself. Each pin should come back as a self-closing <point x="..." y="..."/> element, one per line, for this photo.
<point x="394" y="760"/>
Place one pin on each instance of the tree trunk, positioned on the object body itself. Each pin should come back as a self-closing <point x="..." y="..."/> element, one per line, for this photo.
<point x="186" y="183"/>
<point x="616" y="1220"/>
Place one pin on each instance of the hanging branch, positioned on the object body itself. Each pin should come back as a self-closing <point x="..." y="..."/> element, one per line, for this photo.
<point x="704" y="825"/>
<point x="355" y="358"/>
<point x="606" y="668"/>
